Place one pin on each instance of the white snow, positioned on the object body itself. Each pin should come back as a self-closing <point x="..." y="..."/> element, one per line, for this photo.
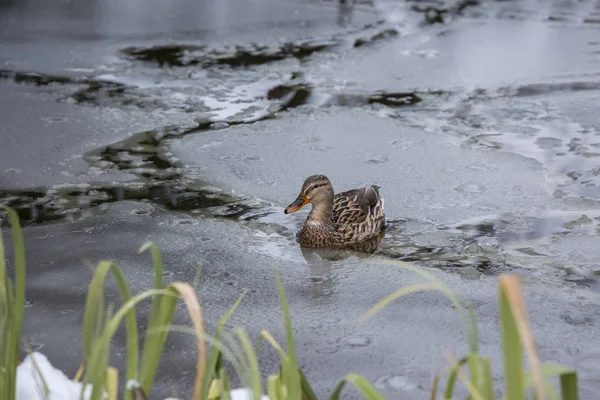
<point x="31" y="387"/>
<point x="244" y="394"/>
<point x="60" y="387"/>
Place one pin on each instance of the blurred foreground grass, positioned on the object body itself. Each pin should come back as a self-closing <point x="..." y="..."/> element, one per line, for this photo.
<point x="212" y="382"/>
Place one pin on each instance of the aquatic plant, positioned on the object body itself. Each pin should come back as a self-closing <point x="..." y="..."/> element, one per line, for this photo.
<point x="212" y="380"/>
<point x="12" y="305"/>
<point x="516" y="335"/>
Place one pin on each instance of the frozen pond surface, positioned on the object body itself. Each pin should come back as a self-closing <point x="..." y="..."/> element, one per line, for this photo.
<point x="195" y="129"/>
<point x="405" y="342"/>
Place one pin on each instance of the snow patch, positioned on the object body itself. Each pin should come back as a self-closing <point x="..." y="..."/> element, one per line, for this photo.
<point x="30" y="385"/>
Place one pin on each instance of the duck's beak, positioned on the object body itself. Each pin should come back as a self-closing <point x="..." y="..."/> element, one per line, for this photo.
<point x="300" y="202"/>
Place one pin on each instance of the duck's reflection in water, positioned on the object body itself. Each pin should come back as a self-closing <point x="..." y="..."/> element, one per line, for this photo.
<point x="324" y="267"/>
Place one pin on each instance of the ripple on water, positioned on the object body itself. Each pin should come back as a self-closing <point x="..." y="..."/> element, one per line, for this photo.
<point x="327" y="350"/>
<point x="397" y="383"/>
<point x="358" y="341"/>
<point x="471" y="188"/>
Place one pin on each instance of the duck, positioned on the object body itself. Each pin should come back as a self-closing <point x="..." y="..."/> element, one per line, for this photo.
<point x="354" y="219"/>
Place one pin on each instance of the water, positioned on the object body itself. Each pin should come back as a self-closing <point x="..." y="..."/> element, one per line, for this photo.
<point x="478" y="121"/>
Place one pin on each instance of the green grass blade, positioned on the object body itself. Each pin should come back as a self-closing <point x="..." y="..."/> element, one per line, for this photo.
<point x="214" y="363"/>
<point x="155" y="339"/>
<point x="291" y="376"/>
<point x="132" y="341"/>
<point x="511" y="349"/>
<point x="548" y="371"/>
<point x="487" y="380"/>
<point x="99" y="311"/>
<point x="234" y="347"/>
<point x="96" y="372"/>
<point x="364" y="387"/>
<point x="387" y="300"/>
<point x="157" y="334"/>
<point x="221" y="326"/>
<point x="254" y="368"/>
<point x="473" y="391"/>
<point x="227" y="353"/>
<point x="307" y="391"/>
<point x="474" y="348"/>
<point x="258" y="343"/>
<point x="224" y="385"/>
<point x="556" y="370"/>
<point x="192" y="304"/>
<point x="6" y="310"/>
<point x="473" y="361"/>
<point x="271" y="340"/>
<point x="451" y="383"/>
<point x="112" y="383"/>
<point x="98" y="362"/>
<point x="434" y="386"/>
<point x="14" y="305"/>
<point x="568" y="386"/>
<point x="273" y="387"/>
<point x="287" y="320"/>
<point x="19" y="254"/>
<point x="92" y="326"/>
<point x="95" y="296"/>
<point x="158" y="284"/>
<point x="511" y="286"/>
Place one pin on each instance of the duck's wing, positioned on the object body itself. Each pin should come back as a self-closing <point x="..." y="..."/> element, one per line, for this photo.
<point x="358" y="213"/>
<point x="354" y="205"/>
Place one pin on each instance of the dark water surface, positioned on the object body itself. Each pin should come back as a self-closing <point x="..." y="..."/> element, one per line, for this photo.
<point x="193" y="123"/>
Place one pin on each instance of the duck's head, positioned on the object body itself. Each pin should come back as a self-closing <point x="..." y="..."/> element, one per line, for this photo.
<point x="317" y="189"/>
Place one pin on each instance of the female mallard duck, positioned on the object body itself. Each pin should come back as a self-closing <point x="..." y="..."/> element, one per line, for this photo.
<point x="353" y="219"/>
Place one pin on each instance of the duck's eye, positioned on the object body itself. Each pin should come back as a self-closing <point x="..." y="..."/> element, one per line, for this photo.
<point x="312" y="188"/>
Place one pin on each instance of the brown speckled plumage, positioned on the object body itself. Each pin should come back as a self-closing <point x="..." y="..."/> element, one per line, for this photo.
<point x="354" y="219"/>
